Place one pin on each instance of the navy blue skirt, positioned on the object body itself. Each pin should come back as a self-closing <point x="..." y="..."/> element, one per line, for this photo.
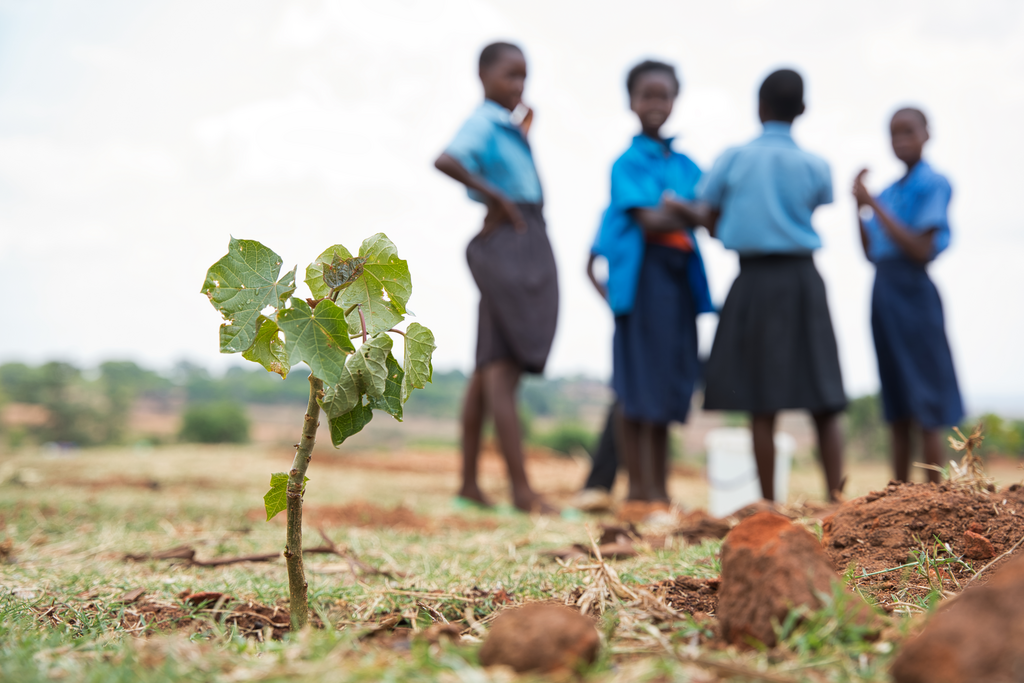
<point x="655" y="364"/>
<point x="914" y="362"/>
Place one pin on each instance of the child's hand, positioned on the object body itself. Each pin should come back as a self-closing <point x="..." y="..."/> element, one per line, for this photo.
<point x="860" y="193"/>
<point x="501" y="209"/>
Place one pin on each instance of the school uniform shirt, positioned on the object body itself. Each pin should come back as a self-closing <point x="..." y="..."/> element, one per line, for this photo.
<point x="639" y="179"/>
<point x="489" y="145"/>
<point x="918" y="200"/>
<point x="766" y="191"/>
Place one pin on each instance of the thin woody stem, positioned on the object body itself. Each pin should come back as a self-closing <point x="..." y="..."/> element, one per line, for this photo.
<point x="362" y="320"/>
<point x="297" y="587"/>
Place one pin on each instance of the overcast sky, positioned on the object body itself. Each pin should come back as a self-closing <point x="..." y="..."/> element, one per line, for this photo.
<point x="137" y="135"/>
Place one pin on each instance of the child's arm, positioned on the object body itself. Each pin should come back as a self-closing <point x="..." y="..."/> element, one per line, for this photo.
<point x="598" y="285"/>
<point x="659" y="219"/>
<point x="919" y="246"/>
<point x="499" y="207"/>
<point x="693" y="213"/>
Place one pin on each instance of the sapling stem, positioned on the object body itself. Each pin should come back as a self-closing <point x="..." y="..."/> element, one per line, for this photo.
<point x="297" y="587"/>
<point x="362" y="321"/>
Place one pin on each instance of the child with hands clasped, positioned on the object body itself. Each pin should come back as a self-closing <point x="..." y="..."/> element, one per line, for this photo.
<point x="656" y="283"/>
<point x="512" y="263"/>
<point x="903" y="230"/>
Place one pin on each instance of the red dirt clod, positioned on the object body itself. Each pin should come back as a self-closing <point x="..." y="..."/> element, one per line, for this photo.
<point x="977" y="547"/>
<point x="542" y="637"/>
<point x="770" y="566"/>
<point x="976" y="638"/>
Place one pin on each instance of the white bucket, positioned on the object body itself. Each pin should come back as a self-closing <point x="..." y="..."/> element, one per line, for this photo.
<point x="732" y="470"/>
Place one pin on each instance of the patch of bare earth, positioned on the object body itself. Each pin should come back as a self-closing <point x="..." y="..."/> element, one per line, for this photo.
<point x="361" y="513"/>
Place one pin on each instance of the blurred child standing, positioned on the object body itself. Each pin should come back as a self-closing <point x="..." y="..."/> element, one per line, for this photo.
<point x="656" y="284"/>
<point x="512" y="264"/>
<point x="774" y="349"/>
<point x="907" y="227"/>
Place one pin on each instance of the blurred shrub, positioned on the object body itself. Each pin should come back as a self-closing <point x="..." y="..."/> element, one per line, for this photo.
<point x="1005" y="437"/>
<point x="215" y="422"/>
<point x="567" y="437"/>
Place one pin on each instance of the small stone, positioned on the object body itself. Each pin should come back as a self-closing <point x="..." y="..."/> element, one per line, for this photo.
<point x="977" y="547"/>
<point x="542" y="637"/>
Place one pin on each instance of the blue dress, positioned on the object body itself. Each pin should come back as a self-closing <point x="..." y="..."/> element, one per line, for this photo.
<point x="655" y="291"/>
<point x="914" y="361"/>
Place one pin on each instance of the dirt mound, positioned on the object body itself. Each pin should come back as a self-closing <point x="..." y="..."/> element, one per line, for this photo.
<point x="880" y="530"/>
<point x="977" y="637"/>
<point x="689" y="595"/>
<point x="770" y="566"/>
<point x="541" y="637"/>
<point x="361" y="513"/>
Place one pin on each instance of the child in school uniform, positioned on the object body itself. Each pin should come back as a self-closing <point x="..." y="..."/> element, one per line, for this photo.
<point x="774" y="349"/>
<point x="656" y="284"/>
<point x="907" y="228"/>
<point x="512" y="263"/>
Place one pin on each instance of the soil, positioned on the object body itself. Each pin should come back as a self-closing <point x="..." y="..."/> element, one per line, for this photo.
<point x="364" y="514"/>
<point x="698" y="597"/>
<point x="770" y="566"/>
<point x="879" y="531"/>
<point x="541" y="637"/>
<point x="957" y="645"/>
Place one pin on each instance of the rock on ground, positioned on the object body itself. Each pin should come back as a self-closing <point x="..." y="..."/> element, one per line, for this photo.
<point x="542" y="637"/>
<point x="769" y="566"/>
<point x="979" y="636"/>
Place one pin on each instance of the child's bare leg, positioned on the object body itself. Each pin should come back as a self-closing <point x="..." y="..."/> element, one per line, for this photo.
<point x="901" y="449"/>
<point x="472" y="426"/>
<point x="931" y="444"/>
<point x="763" y="428"/>
<point x="501" y="378"/>
<point x="830" y="450"/>
<point x="659" y="462"/>
<point x="632" y="452"/>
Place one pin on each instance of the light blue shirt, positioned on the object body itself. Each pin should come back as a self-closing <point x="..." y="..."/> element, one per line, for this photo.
<point x="766" y="191"/>
<point x="489" y="145"/>
<point x="639" y="178"/>
<point x="920" y="201"/>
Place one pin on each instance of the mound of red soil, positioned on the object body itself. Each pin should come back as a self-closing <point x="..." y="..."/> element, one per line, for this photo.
<point x="977" y="637"/>
<point x="770" y="566"/>
<point x="360" y="513"/>
<point x="541" y="637"/>
<point x="689" y="595"/>
<point x="880" y="530"/>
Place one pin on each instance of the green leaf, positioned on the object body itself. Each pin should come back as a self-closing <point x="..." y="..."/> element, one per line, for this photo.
<point x="315" y="270"/>
<point x="352" y="422"/>
<point x="383" y="273"/>
<point x="268" y="350"/>
<point x="276" y="499"/>
<point x="419" y="348"/>
<point x="366" y="372"/>
<point x="318" y="336"/>
<point x="391" y="401"/>
<point x="241" y="285"/>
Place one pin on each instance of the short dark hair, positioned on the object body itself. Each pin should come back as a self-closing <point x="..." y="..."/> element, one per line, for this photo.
<point x="915" y="111"/>
<point x="492" y="53"/>
<point x="783" y="93"/>
<point x="650" y="66"/>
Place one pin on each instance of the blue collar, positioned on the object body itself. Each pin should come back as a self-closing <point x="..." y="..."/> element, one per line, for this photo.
<point x="652" y="147"/>
<point x="778" y="128"/>
<point x="496" y="113"/>
<point x="920" y="168"/>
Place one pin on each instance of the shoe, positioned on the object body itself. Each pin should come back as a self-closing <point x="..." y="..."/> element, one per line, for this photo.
<point x="593" y="500"/>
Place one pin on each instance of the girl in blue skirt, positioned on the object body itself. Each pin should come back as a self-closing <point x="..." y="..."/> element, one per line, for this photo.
<point x="656" y="283"/>
<point x="906" y="228"/>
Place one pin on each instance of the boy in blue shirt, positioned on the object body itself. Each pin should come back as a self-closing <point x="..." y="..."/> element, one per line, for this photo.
<point x="512" y="264"/>
<point x="907" y="228"/>
<point x="656" y="284"/>
<point x="774" y="349"/>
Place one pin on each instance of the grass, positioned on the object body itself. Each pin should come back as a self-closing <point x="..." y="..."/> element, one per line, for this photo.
<point x="71" y="529"/>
